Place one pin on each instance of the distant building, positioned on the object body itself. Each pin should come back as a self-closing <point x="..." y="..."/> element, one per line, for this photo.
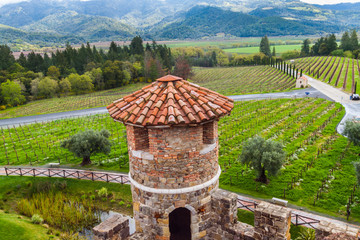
<point x="302" y="82"/>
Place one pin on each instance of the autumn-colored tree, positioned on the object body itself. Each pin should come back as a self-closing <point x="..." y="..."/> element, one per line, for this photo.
<point x="182" y="68"/>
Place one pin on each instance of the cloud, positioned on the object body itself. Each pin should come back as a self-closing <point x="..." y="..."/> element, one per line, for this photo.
<point x="4" y="2"/>
<point x="329" y="1"/>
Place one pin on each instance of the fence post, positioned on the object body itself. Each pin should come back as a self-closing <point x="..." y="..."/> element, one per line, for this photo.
<point x="20" y="172"/>
<point x="78" y="176"/>
<point x="64" y="173"/>
<point x="6" y="171"/>
<point x="121" y="177"/>
<point x="296" y="219"/>
<point x="34" y="172"/>
<point x="107" y="177"/>
<point x="49" y="172"/>
<point x="92" y="176"/>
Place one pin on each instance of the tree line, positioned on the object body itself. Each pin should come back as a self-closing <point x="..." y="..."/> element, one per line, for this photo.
<point x="77" y="71"/>
<point x="325" y="46"/>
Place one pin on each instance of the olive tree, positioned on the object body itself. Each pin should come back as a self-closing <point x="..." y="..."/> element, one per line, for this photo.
<point x="263" y="155"/>
<point x="352" y="131"/>
<point x="88" y="142"/>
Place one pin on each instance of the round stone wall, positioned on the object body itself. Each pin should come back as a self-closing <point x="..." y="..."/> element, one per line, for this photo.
<point x="151" y="211"/>
<point x="177" y="157"/>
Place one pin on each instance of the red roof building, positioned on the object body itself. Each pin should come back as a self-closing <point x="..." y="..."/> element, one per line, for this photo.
<point x="170" y="101"/>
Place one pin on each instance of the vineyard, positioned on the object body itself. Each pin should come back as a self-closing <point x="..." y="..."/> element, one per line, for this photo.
<point x="318" y="172"/>
<point x="227" y="81"/>
<point x="243" y="80"/>
<point x="70" y="103"/>
<point x="339" y="72"/>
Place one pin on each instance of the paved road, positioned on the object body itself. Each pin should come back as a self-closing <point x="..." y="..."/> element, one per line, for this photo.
<point x="51" y="116"/>
<point x="54" y="116"/>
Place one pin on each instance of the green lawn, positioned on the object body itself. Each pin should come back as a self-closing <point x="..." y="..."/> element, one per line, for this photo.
<point x="13" y="189"/>
<point x="252" y="50"/>
<point x="15" y="227"/>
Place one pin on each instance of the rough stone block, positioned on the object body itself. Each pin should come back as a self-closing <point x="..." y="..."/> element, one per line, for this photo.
<point x="114" y="228"/>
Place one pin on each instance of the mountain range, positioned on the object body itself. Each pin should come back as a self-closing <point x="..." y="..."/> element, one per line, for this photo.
<point x="100" y="20"/>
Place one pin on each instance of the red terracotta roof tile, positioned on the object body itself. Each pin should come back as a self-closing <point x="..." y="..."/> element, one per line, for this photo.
<point x="170" y="100"/>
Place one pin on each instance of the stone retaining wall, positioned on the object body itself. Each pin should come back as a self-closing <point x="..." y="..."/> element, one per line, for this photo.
<point x="326" y="229"/>
<point x="114" y="228"/>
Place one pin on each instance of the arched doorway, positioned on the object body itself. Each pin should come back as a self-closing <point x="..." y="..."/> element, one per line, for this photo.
<point x="179" y="224"/>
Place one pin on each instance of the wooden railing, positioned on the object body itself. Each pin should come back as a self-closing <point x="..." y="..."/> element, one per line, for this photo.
<point x="296" y="219"/>
<point x="69" y="173"/>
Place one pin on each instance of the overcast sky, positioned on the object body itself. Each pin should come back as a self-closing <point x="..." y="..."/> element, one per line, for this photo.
<point x="3" y="2"/>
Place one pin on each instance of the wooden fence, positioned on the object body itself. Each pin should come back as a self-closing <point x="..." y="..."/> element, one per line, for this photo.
<point x="296" y="219"/>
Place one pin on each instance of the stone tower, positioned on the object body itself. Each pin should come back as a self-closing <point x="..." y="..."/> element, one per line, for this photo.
<point x="173" y="156"/>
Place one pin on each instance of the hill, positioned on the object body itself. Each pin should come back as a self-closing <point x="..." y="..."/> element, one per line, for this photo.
<point x="93" y="28"/>
<point x="102" y="20"/>
<point x="341" y="6"/>
<point x="204" y="21"/>
<point x="10" y="34"/>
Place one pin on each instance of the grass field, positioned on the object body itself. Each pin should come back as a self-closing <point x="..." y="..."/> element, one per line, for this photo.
<point x="228" y="81"/>
<point x="339" y="72"/>
<point x="280" y="49"/>
<point x="243" y="80"/>
<point x="57" y="201"/>
<point x="318" y="166"/>
<point x="12" y="227"/>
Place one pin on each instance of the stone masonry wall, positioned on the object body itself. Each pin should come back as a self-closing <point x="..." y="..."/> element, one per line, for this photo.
<point x="326" y="229"/>
<point x="225" y="224"/>
<point x="272" y="222"/>
<point x="210" y="132"/>
<point x="114" y="228"/>
<point x="138" y="138"/>
<point x="151" y="211"/>
<point x="177" y="158"/>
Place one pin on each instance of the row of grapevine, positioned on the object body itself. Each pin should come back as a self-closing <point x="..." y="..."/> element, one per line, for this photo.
<point x="70" y="103"/>
<point x="318" y="159"/>
<point x="243" y="80"/>
<point x="340" y="72"/>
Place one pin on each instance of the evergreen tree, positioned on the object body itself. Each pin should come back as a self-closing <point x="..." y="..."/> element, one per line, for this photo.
<point x="265" y="46"/>
<point x="305" y="48"/>
<point x="6" y="57"/>
<point x="136" y="46"/>
<point x="345" y="42"/>
<point x="354" y="41"/>
<point x="331" y="44"/>
<point x="274" y="52"/>
<point x="22" y="59"/>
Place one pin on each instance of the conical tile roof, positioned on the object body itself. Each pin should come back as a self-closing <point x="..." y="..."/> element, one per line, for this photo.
<point x="170" y="100"/>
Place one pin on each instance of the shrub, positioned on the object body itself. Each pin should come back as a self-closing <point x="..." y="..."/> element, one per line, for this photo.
<point x="36" y="219"/>
<point x="339" y="53"/>
<point x="121" y="203"/>
<point x="103" y="192"/>
<point x="61" y="185"/>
